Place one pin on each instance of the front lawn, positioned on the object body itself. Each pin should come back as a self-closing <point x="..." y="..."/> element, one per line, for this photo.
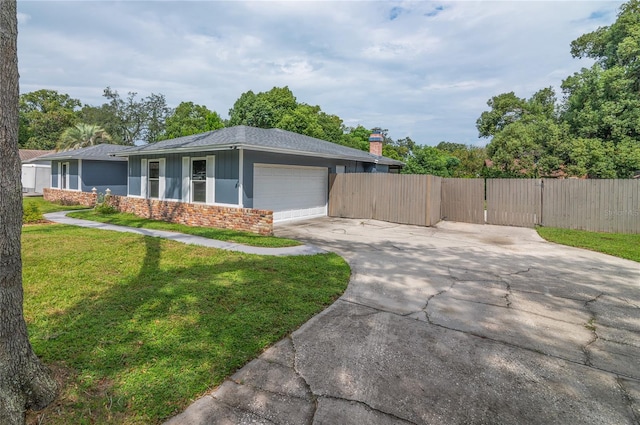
<point x="618" y="244"/>
<point x="45" y="206"/>
<point x="138" y="327"/>
<point x="131" y="220"/>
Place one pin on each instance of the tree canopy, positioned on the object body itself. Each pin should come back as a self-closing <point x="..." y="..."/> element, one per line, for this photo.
<point x="82" y="135"/>
<point x="189" y="118"/>
<point x="594" y="131"/>
<point x="43" y="116"/>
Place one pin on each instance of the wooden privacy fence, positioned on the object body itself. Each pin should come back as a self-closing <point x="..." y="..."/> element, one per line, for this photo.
<point x="611" y="206"/>
<point x="406" y="199"/>
<point x="594" y="205"/>
<point x="514" y="202"/>
<point x="463" y="200"/>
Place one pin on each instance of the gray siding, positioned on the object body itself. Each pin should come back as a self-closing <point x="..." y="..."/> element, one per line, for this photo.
<point x="227" y="175"/>
<point x="173" y="176"/>
<point x="103" y="175"/>
<point x="54" y="174"/>
<point x="74" y="183"/>
<point x="135" y="174"/>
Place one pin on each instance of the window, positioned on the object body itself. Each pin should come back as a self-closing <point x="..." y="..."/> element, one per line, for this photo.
<point x="154" y="179"/>
<point x="64" y="175"/>
<point x="199" y="180"/>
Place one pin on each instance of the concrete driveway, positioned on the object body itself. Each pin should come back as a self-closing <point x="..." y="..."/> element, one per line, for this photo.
<point x="459" y="324"/>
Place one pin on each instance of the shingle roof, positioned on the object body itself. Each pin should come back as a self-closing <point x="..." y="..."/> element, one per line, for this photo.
<point x="102" y="152"/>
<point x="29" y="154"/>
<point x="260" y="139"/>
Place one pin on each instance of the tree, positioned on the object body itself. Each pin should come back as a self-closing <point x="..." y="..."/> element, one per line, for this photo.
<point x="278" y="108"/>
<point x="82" y="135"/>
<point x="472" y="159"/>
<point x="263" y="110"/>
<point x="25" y="383"/>
<point x="135" y="120"/>
<point x="188" y="119"/>
<point x="103" y="116"/>
<point x="311" y="121"/>
<point x="400" y="149"/>
<point x="44" y="115"/>
<point x="506" y="109"/>
<point x="430" y="160"/>
<point x="356" y="137"/>
<point x="513" y="124"/>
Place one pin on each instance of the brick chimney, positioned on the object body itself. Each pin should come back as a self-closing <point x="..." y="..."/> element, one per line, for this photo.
<point x="375" y="142"/>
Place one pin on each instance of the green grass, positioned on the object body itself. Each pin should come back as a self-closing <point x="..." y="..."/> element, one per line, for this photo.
<point x="621" y="245"/>
<point x="131" y="220"/>
<point x="138" y="327"/>
<point x="46" y="206"/>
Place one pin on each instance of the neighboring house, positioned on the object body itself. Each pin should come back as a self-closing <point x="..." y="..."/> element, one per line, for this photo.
<point x="36" y="174"/>
<point x="87" y="168"/>
<point x="248" y="167"/>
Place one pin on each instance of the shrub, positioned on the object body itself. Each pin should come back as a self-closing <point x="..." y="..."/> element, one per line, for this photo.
<point x="103" y="206"/>
<point x="32" y="214"/>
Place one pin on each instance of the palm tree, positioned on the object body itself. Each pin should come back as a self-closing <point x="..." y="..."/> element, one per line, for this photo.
<point x="82" y="135"/>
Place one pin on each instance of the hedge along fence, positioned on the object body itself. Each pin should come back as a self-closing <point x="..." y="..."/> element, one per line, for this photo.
<point x="243" y="219"/>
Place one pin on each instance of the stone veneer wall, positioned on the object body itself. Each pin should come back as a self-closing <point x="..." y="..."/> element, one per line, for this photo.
<point x="244" y="219"/>
<point x="70" y="197"/>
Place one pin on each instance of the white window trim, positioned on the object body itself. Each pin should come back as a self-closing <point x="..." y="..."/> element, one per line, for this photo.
<point x="161" y="178"/>
<point x="211" y="179"/>
<point x="66" y="178"/>
<point x="190" y="177"/>
<point x="143" y="178"/>
<point x="240" y="178"/>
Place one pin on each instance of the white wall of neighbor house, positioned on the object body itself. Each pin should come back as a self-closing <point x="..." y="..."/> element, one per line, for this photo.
<point x="35" y="177"/>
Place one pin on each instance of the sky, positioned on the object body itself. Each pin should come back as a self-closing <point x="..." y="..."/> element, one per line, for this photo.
<point x="420" y="69"/>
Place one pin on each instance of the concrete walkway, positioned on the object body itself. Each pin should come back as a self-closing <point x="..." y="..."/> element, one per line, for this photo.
<point x="459" y="324"/>
<point x="61" y="217"/>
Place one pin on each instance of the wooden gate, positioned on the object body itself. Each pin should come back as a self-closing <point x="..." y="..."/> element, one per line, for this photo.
<point x="463" y="200"/>
<point x="514" y="202"/>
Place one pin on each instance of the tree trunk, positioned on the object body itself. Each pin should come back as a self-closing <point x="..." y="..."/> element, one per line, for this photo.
<point x="25" y="383"/>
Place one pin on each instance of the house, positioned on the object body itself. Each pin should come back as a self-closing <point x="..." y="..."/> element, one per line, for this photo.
<point x="36" y="174"/>
<point x="247" y="168"/>
<point x="84" y="169"/>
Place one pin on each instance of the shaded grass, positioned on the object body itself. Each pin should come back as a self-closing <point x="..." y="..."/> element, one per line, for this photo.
<point x="138" y="327"/>
<point x="131" y="220"/>
<point x="617" y="244"/>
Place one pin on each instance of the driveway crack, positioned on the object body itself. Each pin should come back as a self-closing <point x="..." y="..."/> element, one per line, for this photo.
<point x="627" y="398"/>
<point x="245" y="411"/>
<point x="369" y="407"/>
<point x="314" y="398"/>
<point x="426" y="305"/>
<point x="590" y="325"/>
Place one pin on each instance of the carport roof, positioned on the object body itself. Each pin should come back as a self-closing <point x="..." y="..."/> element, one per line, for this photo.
<point x="102" y="152"/>
<point x="260" y="139"/>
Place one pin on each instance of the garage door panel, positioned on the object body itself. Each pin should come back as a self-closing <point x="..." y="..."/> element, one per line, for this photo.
<point x="291" y="192"/>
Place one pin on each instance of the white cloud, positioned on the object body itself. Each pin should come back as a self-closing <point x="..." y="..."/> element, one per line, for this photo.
<point x="424" y="69"/>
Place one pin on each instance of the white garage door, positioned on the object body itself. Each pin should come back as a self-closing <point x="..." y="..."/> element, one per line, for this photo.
<point x="291" y="192"/>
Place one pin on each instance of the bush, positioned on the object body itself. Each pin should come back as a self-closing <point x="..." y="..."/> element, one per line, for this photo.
<point x="32" y="214"/>
<point x="103" y="206"/>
